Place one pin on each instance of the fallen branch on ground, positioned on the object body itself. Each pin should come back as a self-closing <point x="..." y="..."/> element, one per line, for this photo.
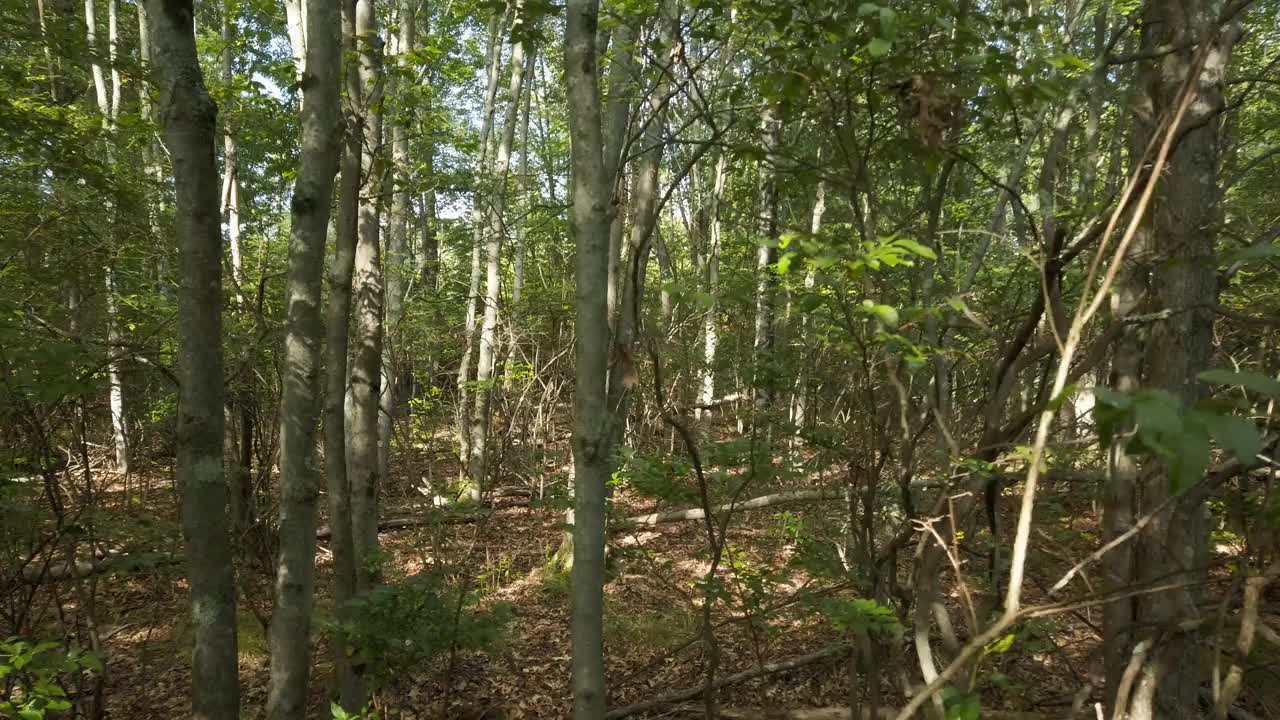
<point x="842" y="713"/>
<point x="752" y="504"/>
<point x="412" y="521"/>
<point x="680" y="696"/>
<point x="115" y="562"/>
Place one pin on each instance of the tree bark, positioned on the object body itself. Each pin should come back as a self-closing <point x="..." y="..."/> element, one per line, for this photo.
<point x="320" y="119"/>
<point x="337" y="329"/>
<point x="494" y="235"/>
<point x="478" y="216"/>
<point x="396" y="266"/>
<point x="366" y="368"/>
<point x="189" y="118"/>
<point x="766" y="278"/>
<point x="591" y="434"/>
<point x="1182" y="292"/>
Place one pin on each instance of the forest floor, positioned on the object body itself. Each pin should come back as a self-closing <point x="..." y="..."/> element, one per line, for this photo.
<point x="653" y="616"/>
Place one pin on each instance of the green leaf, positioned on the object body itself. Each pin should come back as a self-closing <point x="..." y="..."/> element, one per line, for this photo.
<point x="1000" y="646"/>
<point x="879" y="47"/>
<point x="1254" y="381"/>
<point x="916" y="248"/>
<point x="1235" y="433"/>
<point x="886" y="313"/>
<point x="1191" y="458"/>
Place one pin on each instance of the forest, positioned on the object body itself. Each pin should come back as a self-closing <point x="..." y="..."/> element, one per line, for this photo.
<point x="747" y="359"/>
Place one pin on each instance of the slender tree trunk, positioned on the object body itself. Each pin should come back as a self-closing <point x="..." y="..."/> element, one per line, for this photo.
<point x="493" y="270"/>
<point x="321" y="121"/>
<point x="338" y="326"/>
<point x="766" y="279"/>
<point x="591" y="434"/>
<point x="800" y="401"/>
<point x="189" y="118"/>
<point x="521" y="249"/>
<point x="644" y="199"/>
<point x="108" y="98"/>
<point x="710" y="328"/>
<point x="366" y="368"/>
<point x="478" y="215"/>
<point x="396" y="266"/>
<point x="617" y="114"/>
<point x="241" y="408"/>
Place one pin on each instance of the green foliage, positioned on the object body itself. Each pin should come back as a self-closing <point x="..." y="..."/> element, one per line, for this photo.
<point x="654" y="476"/>
<point x="404" y="625"/>
<point x="862" y="616"/>
<point x="1177" y="435"/>
<point x="36" y="672"/>
<point x="960" y="705"/>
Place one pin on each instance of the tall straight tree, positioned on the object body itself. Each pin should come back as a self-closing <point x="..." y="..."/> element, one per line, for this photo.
<point x="107" y="94"/>
<point x="1176" y="271"/>
<point x="592" y="188"/>
<point x="337" y="344"/>
<point x="366" y="369"/>
<point x="396" y="267"/>
<point x="189" y="119"/>
<point x="300" y="409"/>
<point x="494" y="234"/>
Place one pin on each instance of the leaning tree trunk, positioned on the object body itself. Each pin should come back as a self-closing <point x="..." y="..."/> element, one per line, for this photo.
<point x="189" y="119"/>
<point x="477" y="219"/>
<point x="493" y="273"/>
<point x="591" y="433"/>
<point x="366" y="370"/>
<point x="300" y="410"/>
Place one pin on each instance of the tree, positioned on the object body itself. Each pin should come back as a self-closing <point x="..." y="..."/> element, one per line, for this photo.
<point x="366" y="368"/>
<point x="189" y="116"/>
<point x="1174" y="278"/>
<point x="300" y="407"/>
<point x="591" y="431"/>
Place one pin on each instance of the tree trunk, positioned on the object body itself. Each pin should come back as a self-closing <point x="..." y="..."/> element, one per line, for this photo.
<point x="108" y="99"/>
<point x="366" y="368"/>
<point x="396" y="266"/>
<point x="189" y="118"/>
<point x="494" y="234"/>
<point x="766" y="279"/>
<point x="320" y="121"/>
<point x="617" y="114"/>
<point x="1182" y="292"/>
<point x="338" y="326"/>
<point x="521" y="249"/>
<point x="478" y="221"/>
<point x="591" y="434"/>
<point x="710" y="329"/>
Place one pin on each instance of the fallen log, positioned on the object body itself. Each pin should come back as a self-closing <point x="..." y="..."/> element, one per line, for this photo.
<point x="412" y="521"/>
<point x="843" y="713"/>
<point x="755" y="503"/>
<point x="80" y="569"/>
<point x="680" y="696"/>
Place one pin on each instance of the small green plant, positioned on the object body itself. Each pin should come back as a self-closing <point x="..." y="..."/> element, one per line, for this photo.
<point x="35" y="673"/>
<point x="407" y="624"/>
